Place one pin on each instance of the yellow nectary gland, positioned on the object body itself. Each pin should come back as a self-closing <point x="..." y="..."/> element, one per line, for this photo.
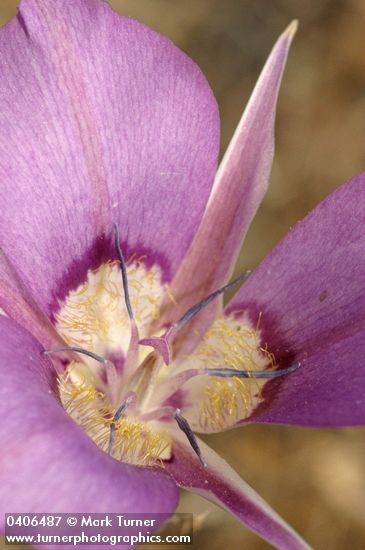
<point x="135" y="442"/>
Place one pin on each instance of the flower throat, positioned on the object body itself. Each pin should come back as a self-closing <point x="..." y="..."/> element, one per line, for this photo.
<point x="117" y="406"/>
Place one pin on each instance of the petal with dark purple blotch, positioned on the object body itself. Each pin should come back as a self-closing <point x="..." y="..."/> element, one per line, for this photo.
<point x="103" y="121"/>
<point x="310" y="291"/>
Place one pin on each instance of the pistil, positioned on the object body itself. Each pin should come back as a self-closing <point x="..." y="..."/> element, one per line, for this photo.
<point x="101" y="407"/>
<point x="163" y="343"/>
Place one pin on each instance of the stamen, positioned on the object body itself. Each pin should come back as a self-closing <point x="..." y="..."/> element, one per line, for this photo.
<point x="162" y="343"/>
<point x="172" y="384"/>
<point x="77" y="350"/>
<point x="184" y="426"/>
<point x="124" y="272"/>
<point x="132" y="354"/>
<point x="130" y="398"/>
<point x="233" y="373"/>
<point x="195" y="309"/>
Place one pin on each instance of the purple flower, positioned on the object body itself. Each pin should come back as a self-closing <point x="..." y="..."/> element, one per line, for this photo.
<point x="107" y="128"/>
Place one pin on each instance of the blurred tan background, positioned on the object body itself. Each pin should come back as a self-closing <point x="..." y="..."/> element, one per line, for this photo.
<point x="314" y="478"/>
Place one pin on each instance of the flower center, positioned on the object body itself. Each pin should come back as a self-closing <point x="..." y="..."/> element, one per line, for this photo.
<point x="123" y="395"/>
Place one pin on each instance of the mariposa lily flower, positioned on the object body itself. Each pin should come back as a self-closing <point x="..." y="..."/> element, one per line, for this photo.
<point x="116" y="249"/>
